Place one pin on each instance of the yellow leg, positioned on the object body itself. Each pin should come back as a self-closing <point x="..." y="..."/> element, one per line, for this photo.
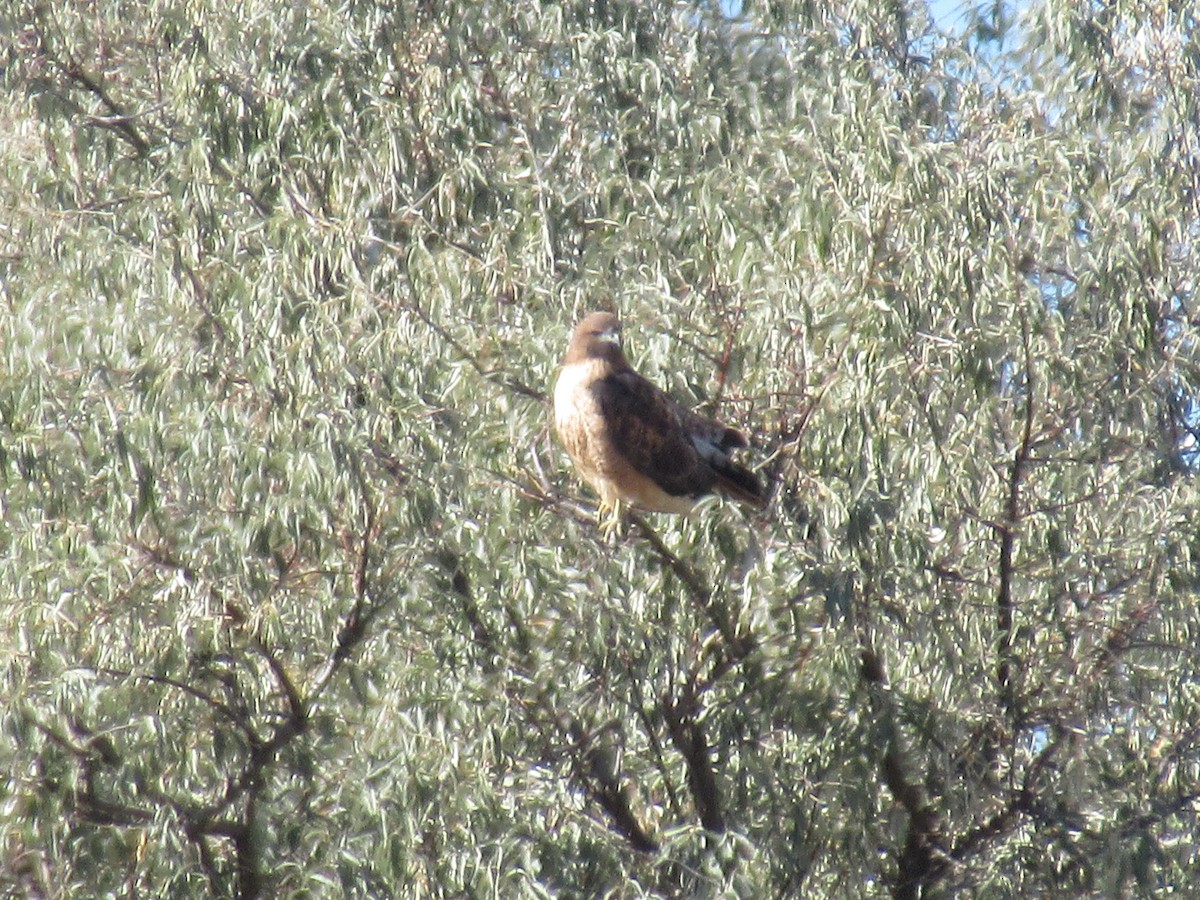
<point x="611" y="520"/>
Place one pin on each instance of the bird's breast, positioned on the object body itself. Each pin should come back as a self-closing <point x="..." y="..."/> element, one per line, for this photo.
<point x="573" y="401"/>
<point x="576" y="412"/>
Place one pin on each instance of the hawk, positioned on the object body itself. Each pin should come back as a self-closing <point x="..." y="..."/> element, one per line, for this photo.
<point x="632" y="442"/>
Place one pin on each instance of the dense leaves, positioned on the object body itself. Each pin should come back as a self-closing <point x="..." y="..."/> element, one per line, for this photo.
<point x="301" y="597"/>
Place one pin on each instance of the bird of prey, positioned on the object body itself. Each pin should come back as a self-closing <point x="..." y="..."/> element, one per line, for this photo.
<point x="632" y="442"/>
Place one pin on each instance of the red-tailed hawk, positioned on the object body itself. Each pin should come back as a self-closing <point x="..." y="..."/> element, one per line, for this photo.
<point x="633" y="443"/>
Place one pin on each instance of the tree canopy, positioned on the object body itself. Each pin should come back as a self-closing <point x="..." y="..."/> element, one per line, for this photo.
<point x="301" y="598"/>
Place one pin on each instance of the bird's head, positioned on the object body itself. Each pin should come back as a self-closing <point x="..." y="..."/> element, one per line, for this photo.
<point x="597" y="336"/>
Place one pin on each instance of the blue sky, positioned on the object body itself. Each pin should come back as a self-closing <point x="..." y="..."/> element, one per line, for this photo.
<point x="946" y="13"/>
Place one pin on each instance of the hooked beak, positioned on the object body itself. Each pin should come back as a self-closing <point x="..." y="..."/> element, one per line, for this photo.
<point x="611" y="336"/>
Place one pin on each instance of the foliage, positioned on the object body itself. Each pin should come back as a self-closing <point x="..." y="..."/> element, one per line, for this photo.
<point x="302" y="598"/>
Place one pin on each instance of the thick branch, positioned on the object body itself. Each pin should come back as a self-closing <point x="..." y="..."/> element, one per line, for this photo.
<point x="1008" y="537"/>
<point x="354" y="629"/>
<point x="687" y="734"/>
<point x="460" y="583"/>
<point x="595" y="769"/>
<point x="922" y="862"/>
<point x="118" y="118"/>
<point x="738" y="645"/>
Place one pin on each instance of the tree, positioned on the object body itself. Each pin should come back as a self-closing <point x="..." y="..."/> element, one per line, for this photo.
<point x="303" y="598"/>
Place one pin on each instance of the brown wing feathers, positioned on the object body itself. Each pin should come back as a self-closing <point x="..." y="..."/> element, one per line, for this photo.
<point x="644" y="425"/>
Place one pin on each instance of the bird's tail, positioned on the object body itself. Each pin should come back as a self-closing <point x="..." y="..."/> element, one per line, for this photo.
<point x="740" y="483"/>
<point x="716" y="444"/>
